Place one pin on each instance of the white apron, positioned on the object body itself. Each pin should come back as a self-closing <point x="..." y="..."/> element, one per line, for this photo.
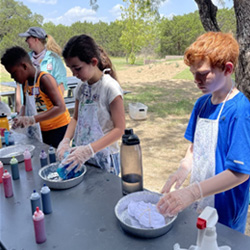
<point x="88" y="130"/>
<point x="30" y="110"/>
<point x="204" y="150"/>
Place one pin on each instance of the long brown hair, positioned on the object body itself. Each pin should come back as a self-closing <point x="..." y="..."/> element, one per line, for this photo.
<point x="85" y="48"/>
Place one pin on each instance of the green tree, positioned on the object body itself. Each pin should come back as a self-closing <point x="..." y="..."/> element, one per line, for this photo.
<point x="15" y="18"/>
<point x="226" y="20"/>
<point x="139" y="28"/>
<point x="59" y="32"/>
<point x="114" y="46"/>
<point x="178" y="33"/>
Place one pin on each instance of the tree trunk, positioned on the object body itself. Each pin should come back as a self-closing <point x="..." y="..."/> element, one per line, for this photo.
<point x="242" y="10"/>
<point x="208" y="11"/>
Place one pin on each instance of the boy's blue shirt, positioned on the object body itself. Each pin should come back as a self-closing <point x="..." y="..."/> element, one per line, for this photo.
<point x="233" y="147"/>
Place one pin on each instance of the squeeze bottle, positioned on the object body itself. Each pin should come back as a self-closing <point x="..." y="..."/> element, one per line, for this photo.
<point x="131" y="163"/>
<point x="27" y="160"/>
<point x="46" y="199"/>
<point x="7" y="184"/>
<point x="52" y="154"/>
<point x="14" y="168"/>
<point x="11" y="139"/>
<point x="35" y="201"/>
<point x="43" y="158"/>
<point x="6" y="137"/>
<point x="1" y="172"/>
<point x="39" y="226"/>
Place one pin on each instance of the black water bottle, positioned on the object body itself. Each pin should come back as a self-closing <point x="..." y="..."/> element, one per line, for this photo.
<point x="131" y="163"/>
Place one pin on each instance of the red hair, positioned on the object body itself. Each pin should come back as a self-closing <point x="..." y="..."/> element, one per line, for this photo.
<point x="216" y="47"/>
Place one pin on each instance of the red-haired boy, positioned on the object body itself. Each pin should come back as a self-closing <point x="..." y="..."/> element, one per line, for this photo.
<point x="218" y="129"/>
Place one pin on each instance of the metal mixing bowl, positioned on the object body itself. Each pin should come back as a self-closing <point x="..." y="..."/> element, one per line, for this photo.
<point x="16" y="150"/>
<point x="121" y="212"/>
<point x="50" y="176"/>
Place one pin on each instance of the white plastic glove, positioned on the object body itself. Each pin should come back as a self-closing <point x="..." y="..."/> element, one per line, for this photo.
<point x="23" y="121"/>
<point x="179" y="176"/>
<point x="62" y="148"/>
<point x="174" y="202"/>
<point x="78" y="156"/>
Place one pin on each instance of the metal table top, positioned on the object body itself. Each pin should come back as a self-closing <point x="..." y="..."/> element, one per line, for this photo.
<point x="83" y="217"/>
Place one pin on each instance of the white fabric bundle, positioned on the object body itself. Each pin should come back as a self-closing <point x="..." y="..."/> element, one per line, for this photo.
<point x="146" y="214"/>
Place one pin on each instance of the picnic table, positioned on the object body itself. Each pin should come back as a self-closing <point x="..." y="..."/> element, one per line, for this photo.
<point x="83" y="216"/>
<point x="69" y="96"/>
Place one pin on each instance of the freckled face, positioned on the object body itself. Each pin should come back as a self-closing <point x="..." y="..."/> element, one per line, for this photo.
<point x="80" y="69"/>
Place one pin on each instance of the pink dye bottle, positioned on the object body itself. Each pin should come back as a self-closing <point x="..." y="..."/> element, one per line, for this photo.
<point x="27" y="160"/>
<point x="1" y="171"/>
<point x="39" y="226"/>
<point x="7" y="184"/>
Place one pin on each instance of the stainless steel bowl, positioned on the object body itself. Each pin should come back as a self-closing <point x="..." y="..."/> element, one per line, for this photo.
<point x="121" y="212"/>
<point x="16" y="150"/>
<point x="53" y="180"/>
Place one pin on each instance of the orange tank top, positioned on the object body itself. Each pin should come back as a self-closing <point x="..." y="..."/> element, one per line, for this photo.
<point x="43" y="103"/>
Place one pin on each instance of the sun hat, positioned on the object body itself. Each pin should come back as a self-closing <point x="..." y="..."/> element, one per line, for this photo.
<point x="35" y="32"/>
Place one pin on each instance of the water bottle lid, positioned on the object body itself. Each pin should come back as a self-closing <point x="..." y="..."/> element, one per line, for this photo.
<point x="128" y="131"/>
<point x="129" y="138"/>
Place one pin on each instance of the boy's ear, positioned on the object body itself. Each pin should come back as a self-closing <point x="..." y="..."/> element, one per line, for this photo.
<point x="24" y="65"/>
<point x="94" y="61"/>
<point x="229" y="68"/>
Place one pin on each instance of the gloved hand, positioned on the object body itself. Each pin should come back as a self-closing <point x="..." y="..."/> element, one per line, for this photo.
<point x="174" y="202"/>
<point x="78" y="156"/>
<point x="179" y="176"/>
<point x="62" y="148"/>
<point x="23" y="121"/>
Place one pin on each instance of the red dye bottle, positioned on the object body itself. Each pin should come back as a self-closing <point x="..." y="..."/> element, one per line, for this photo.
<point x="1" y="170"/>
<point x="39" y="226"/>
<point x="7" y="184"/>
<point x="27" y="160"/>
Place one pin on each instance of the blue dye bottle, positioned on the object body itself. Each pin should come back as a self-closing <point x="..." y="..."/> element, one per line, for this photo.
<point x="43" y="158"/>
<point x="46" y="199"/>
<point x="14" y="168"/>
<point x="52" y="154"/>
<point x="35" y="201"/>
<point x="11" y="139"/>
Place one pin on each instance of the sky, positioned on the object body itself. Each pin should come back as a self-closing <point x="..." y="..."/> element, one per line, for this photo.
<point x="67" y="12"/>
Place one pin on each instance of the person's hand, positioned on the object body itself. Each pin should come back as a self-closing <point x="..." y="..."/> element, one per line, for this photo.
<point x="179" y="176"/>
<point x="78" y="156"/>
<point x="174" y="202"/>
<point x="23" y="121"/>
<point x="62" y="148"/>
